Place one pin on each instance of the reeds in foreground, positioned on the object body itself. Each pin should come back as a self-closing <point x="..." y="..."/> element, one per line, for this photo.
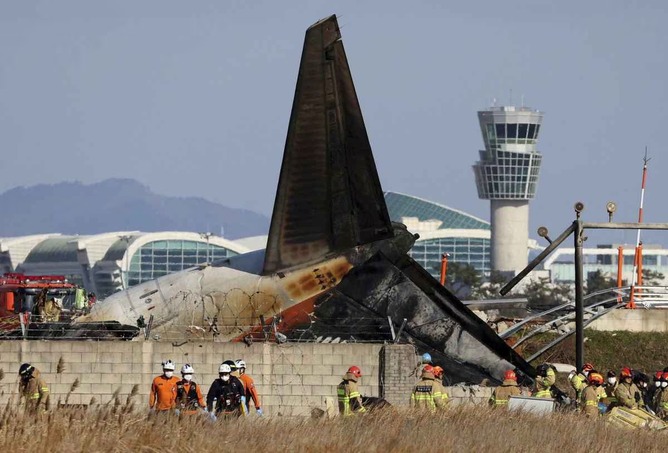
<point x="460" y="429"/>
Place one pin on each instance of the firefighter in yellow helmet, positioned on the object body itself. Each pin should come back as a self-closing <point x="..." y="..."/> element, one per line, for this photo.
<point x="627" y="394"/>
<point x="428" y="393"/>
<point x="545" y="379"/>
<point x="350" y="400"/>
<point x="33" y="388"/>
<point x="590" y="395"/>
<point x="507" y="389"/>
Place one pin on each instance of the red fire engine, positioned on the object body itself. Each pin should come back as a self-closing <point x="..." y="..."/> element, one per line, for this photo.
<point x="19" y="295"/>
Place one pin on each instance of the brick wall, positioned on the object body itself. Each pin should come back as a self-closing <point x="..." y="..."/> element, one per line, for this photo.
<point x="399" y="363"/>
<point x="292" y="378"/>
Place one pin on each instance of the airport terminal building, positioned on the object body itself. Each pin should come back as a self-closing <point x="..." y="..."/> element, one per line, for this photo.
<point x="442" y="229"/>
<point x="109" y="262"/>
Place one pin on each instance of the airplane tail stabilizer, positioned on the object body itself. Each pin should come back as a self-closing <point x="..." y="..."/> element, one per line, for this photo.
<point x="329" y="196"/>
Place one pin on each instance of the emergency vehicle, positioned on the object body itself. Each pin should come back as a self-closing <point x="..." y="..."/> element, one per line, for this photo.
<point x="19" y="294"/>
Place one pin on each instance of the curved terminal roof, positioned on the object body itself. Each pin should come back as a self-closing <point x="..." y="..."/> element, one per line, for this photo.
<point x="54" y="250"/>
<point x="109" y="246"/>
<point x="401" y="206"/>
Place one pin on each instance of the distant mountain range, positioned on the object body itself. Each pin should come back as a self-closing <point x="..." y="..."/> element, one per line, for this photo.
<point x="117" y="205"/>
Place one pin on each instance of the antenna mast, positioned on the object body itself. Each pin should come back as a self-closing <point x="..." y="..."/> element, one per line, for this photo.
<point x="637" y="262"/>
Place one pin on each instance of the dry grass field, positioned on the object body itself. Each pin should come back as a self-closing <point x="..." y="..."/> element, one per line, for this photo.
<point x="461" y="429"/>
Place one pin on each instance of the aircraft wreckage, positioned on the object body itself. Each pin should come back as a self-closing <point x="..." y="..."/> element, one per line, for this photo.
<point x="333" y="256"/>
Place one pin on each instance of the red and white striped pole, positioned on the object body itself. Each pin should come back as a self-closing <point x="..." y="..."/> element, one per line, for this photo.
<point x="638" y="259"/>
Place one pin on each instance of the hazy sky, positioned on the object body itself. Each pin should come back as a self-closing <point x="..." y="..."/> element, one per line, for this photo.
<point x="193" y="98"/>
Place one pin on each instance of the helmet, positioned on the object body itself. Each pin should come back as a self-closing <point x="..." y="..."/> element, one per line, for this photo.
<point x="509" y="375"/>
<point x="438" y="371"/>
<point x="168" y="365"/>
<point x="26" y="369"/>
<point x="595" y="378"/>
<point x="611" y="374"/>
<point x="426" y="358"/>
<point x="625" y="373"/>
<point x="657" y="375"/>
<point x="187" y="369"/>
<point x="240" y="363"/>
<point x="664" y="377"/>
<point x="233" y="366"/>
<point x="428" y="369"/>
<point x="587" y="367"/>
<point x="355" y="371"/>
<point x="541" y="370"/>
<point x="224" y="368"/>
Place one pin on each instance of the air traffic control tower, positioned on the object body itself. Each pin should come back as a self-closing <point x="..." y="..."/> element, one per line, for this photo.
<point x="507" y="174"/>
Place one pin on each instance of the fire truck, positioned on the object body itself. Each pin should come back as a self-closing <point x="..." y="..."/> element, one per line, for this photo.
<point x="25" y="302"/>
<point x="20" y="295"/>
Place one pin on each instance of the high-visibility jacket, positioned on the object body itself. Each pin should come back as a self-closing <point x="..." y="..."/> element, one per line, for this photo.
<point x="350" y="400"/>
<point x="189" y="397"/>
<point x="428" y="393"/>
<point x="35" y="391"/>
<point x="589" y="401"/>
<point x="544" y="383"/>
<point x="502" y="393"/>
<point x="251" y="390"/>
<point x="163" y="393"/>
<point x="578" y="382"/>
<point x="628" y="395"/>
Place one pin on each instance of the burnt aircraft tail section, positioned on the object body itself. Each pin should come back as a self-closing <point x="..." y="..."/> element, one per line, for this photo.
<point x="437" y="321"/>
<point x="329" y="196"/>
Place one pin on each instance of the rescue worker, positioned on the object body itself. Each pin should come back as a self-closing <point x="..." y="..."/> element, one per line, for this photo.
<point x="428" y="393"/>
<point x="610" y="386"/>
<point x="641" y="381"/>
<point x="545" y="379"/>
<point x="425" y="359"/>
<point x="655" y="391"/>
<point x="627" y="393"/>
<point x="579" y="380"/>
<point x="33" y="388"/>
<point x="438" y="374"/>
<point x="505" y="391"/>
<point x="189" y="398"/>
<point x="163" y="389"/>
<point x="235" y="372"/>
<point x="225" y="394"/>
<point x="348" y="394"/>
<point x="662" y="399"/>
<point x="590" y="394"/>
<point x="249" y="386"/>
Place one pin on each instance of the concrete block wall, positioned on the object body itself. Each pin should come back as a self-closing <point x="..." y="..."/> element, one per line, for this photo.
<point x="638" y="320"/>
<point x="292" y="378"/>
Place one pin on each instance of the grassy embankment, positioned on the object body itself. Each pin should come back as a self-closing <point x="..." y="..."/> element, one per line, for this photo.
<point x="645" y="351"/>
<point x="458" y="429"/>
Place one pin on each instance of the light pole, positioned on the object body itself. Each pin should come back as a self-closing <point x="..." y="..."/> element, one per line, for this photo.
<point x="206" y="236"/>
<point x="125" y="262"/>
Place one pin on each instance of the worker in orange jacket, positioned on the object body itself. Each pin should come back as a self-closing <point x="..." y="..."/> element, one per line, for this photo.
<point x="163" y="389"/>
<point x="189" y="398"/>
<point x="249" y="386"/>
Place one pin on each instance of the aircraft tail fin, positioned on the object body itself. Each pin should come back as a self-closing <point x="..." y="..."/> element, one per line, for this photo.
<point x="329" y="196"/>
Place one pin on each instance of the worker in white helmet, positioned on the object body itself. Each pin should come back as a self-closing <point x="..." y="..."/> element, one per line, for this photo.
<point x="189" y="399"/>
<point x="163" y="389"/>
